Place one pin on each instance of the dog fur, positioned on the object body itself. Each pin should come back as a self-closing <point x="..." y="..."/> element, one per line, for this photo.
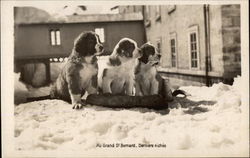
<point x="119" y="75"/>
<point x="80" y="72"/>
<point x="148" y="80"/>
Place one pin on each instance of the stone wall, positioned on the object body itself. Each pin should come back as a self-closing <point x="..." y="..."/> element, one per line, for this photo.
<point x="231" y="40"/>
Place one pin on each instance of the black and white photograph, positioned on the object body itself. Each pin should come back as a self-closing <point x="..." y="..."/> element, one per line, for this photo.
<point x="131" y="79"/>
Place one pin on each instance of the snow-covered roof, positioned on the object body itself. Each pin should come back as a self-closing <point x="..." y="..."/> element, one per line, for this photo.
<point x="104" y="17"/>
<point x="29" y="15"/>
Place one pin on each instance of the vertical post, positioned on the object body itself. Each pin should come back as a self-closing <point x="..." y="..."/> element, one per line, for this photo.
<point x="144" y="29"/>
<point x="206" y="44"/>
<point x="21" y="71"/>
<point x="47" y="65"/>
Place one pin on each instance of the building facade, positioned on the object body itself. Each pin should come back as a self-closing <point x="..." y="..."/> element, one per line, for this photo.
<point x="200" y="44"/>
<point x="40" y="37"/>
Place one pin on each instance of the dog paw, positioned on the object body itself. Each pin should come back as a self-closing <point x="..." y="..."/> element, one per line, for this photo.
<point x="77" y="106"/>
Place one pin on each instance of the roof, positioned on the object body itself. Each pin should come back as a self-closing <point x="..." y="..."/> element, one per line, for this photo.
<point x="29" y="15"/>
<point x="104" y="17"/>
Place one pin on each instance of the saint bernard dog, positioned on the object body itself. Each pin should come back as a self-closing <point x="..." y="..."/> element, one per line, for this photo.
<point x="80" y="72"/>
<point x="148" y="80"/>
<point x="119" y="75"/>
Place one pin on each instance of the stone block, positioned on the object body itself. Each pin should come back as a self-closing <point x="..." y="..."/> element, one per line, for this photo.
<point x="235" y="21"/>
<point x="237" y="39"/>
<point x="231" y="37"/>
<point x="231" y="72"/>
<point x="230" y="6"/>
<point x="226" y="58"/>
<point x="237" y="57"/>
<point x="231" y="49"/>
<point x="228" y="40"/>
<point x="234" y="6"/>
<point x="227" y="21"/>
<point x="230" y="12"/>
<point x="230" y="30"/>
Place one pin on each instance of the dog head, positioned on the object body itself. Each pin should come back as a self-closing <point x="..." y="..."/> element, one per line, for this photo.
<point x="88" y="44"/>
<point x="126" y="49"/>
<point x="150" y="54"/>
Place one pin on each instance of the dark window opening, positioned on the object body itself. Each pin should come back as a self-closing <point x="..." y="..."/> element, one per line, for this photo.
<point x="173" y="52"/>
<point x="193" y="50"/>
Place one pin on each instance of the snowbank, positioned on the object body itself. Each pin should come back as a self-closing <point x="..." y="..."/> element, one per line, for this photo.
<point x="202" y="127"/>
<point x="20" y="90"/>
<point x="23" y="91"/>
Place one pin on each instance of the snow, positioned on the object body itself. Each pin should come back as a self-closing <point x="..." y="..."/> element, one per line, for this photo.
<point x="207" y="121"/>
<point x="20" y="90"/>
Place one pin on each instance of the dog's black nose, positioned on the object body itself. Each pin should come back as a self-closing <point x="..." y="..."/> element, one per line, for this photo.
<point x="101" y="48"/>
<point x="159" y="55"/>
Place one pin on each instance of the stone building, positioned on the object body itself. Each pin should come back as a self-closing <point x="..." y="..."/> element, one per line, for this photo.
<point x="200" y="44"/>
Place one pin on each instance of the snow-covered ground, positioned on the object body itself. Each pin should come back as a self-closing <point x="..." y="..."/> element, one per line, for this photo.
<point x="209" y="121"/>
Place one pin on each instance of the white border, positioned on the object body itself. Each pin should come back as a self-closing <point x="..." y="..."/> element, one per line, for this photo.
<point x="7" y="89"/>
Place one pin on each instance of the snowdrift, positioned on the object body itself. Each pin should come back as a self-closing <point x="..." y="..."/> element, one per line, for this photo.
<point x="207" y="121"/>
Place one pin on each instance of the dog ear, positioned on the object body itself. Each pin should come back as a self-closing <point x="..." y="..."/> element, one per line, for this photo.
<point x="125" y="48"/>
<point x="114" y="60"/>
<point x="144" y="57"/>
<point x="119" y="51"/>
<point x="83" y="44"/>
<point x="80" y="44"/>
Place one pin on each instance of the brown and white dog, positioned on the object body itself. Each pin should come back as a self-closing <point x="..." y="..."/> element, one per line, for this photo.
<point x="80" y="72"/>
<point x="148" y="80"/>
<point x="119" y="75"/>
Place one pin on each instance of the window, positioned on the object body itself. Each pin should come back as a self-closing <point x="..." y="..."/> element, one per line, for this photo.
<point x="171" y="9"/>
<point x="158" y="43"/>
<point x="194" y="46"/>
<point x="146" y="9"/>
<point x="134" y="9"/>
<point x="55" y="37"/>
<point x="127" y="9"/>
<point x="173" y="50"/>
<point x="157" y="13"/>
<point x="58" y="59"/>
<point x="147" y="12"/>
<point x="100" y="32"/>
<point x="147" y="16"/>
<point x="158" y="9"/>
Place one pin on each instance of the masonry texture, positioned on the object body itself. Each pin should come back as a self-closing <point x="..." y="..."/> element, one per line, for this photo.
<point x="231" y="40"/>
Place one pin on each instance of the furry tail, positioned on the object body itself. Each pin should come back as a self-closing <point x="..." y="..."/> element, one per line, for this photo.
<point x="179" y="91"/>
<point x="169" y="95"/>
<point x="38" y="98"/>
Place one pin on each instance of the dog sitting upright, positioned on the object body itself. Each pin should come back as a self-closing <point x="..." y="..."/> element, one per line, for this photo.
<point x="148" y="80"/>
<point x="80" y="72"/>
<point x="118" y="77"/>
